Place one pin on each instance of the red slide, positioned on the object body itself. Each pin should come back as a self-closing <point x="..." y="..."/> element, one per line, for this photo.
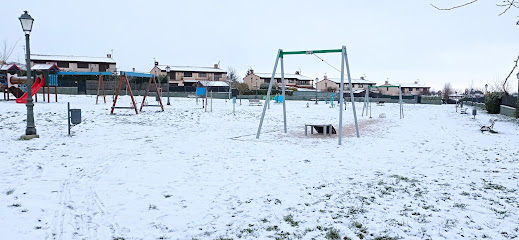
<point x="35" y="87"/>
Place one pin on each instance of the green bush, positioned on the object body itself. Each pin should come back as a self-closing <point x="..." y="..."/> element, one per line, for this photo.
<point x="493" y="103"/>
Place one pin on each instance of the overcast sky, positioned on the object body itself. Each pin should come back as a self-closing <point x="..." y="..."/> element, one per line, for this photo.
<point x="399" y="40"/>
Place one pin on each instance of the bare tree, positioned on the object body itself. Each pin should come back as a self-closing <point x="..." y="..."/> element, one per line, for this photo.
<point x="7" y="51"/>
<point x="502" y="86"/>
<point x="505" y="5"/>
<point x="446" y="91"/>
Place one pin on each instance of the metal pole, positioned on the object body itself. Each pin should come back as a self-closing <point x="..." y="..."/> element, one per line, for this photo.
<point x="283" y="94"/>
<point x="68" y="118"/>
<point x="341" y="90"/>
<point x="168" y="88"/>
<point x="31" y="128"/>
<point x="365" y="101"/>
<point x="351" y="90"/>
<point x="400" y="100"/>
<point x="268" y="93"/>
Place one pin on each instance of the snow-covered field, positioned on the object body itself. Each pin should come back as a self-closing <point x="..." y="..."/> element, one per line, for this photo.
<point x="189" y="174"/>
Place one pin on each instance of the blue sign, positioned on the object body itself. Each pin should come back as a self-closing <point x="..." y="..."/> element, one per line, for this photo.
<point x="233" y="99"/>
<point x="200" y="91"/>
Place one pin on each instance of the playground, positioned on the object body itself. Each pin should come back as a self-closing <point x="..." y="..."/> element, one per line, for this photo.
<point x="190" y="173"/>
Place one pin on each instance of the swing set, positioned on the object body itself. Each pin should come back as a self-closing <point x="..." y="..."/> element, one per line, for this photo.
<point x="124" y="78"/>
<point x="367" y="102"/>
<point x="344" y="62"/>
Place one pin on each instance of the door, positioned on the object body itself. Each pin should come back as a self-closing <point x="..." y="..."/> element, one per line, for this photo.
<point x="81" y="87"/>
<point x="103" y="67"/>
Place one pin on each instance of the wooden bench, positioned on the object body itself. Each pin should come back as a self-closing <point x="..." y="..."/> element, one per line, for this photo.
<point x="255" y="102"/>
<point x="463" y="111"/>
<point x="380" y="103"/>
<point x="320" y="128"/>
<point x="489" y="128"/>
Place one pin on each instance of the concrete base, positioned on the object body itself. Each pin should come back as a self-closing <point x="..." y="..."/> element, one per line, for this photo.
<point x="29" y="137"/>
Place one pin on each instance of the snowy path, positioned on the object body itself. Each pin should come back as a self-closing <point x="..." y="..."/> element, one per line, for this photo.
<point x="190" y="174"/>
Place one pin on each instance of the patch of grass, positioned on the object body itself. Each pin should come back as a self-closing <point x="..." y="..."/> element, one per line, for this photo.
<point x="490" y="185"/>
<point x="465" y="193"/>
<point x="37" y="227"/>
<point x="386" y="238"/>
<point x="163" y="237"/>
<point x="25" y="210"/>
<point x="15" y="205"/>
<point x="223" y="238"/>
<point x="118" y="238"/>
<point x="247" y="230"/>
<point x="167" y="195"/>
<point x="290" y="220"/>
<point x="460" y="205"/>
<point x="10" y="191"/>
<point x="152" y="207"/>
<point x="265" y="220"/>
<point x="333" y="234"/>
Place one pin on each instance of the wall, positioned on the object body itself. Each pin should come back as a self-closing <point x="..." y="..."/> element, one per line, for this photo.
<point x="507" y="111"/>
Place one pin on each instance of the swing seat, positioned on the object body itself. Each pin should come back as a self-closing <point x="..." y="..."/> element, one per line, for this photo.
<point x="380" y="103"/>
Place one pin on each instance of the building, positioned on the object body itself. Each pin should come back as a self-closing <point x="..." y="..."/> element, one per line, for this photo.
<point x="191" y="76"/>
<point x="254" y="80"/>
<point x="333" y="84"/>
<point x="409" y="89"/>
<point x="77" y="63"/>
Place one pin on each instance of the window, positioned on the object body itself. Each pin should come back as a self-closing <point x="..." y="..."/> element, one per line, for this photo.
<point x="63" y="65"/>
<point x="217" y="76"/>
<point x="82" y="65"/>
<point x="188" y="74"/>
<point x="360" y="86"/>
<point x="202" y="75"/>
<point x="291" y="80"/>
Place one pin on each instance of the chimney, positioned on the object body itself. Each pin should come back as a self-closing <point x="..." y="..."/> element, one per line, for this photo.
<point x="216" y="66"/>
<point x="325" y="77"/>
<point x="109" y="55"/>
<point x="251" y="71"/>
<point x="297" y="72"/>
<point x="362" y="78"/>
<point x="156" y="63"/>
<point x="133" y="69"/>
<point x="415" y="82"/>
<point x="387" y="82"/>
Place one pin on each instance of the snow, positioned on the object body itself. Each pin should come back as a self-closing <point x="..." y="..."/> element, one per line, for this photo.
<point x="70" y="58"/>
<point x="190" y="174"/>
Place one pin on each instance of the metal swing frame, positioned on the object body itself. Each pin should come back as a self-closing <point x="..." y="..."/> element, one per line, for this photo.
<point x="344" y="62"/>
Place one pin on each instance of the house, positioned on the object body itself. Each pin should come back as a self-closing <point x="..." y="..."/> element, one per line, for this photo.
<point x="333" y="84"/>
<point x="409" y="89"/>
<point x="190" y="76"/>
<point x="254" y="80"/>
<point x="77" y="63"/>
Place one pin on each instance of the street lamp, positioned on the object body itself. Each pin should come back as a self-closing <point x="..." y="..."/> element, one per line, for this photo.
<point x="316" y="80"/>
<point x="30" y="132"/>
<point x="167" y="74"/>
<point x="486" y="86"/>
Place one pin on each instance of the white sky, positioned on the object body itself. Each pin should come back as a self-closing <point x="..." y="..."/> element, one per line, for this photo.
<point x="403" y="40"/>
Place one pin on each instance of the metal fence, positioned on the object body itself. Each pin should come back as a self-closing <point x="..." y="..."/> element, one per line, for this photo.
<point x="509" y="101"/>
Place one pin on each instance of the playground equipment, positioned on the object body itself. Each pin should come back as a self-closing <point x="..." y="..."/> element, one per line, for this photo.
<point x="38" y="83"/>
<point x="152" y="78"/>
<point x="6" y="72"/>
<point x="278" y="99"/>
<point x="16" y="85"/>
<point x="367" y="102"/>
<point x="344" y="61"/>
<point x="100" y="83"/>
<point x="49" y="72"/>
<point x="124" y="77"/>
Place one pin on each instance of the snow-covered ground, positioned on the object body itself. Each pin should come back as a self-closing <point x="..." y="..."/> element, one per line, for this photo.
<point x="189" y="174"/>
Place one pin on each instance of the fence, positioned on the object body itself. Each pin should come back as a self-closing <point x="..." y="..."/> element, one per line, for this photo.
<point x="508" y="100"/>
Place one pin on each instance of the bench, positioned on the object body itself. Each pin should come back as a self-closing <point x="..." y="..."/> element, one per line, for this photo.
<point x="463" y="111"/>
<point x="380" y="103"/>
<point x="489" y="128"/>
<point x="320" y="128"/>
<point x="255" y="102"/>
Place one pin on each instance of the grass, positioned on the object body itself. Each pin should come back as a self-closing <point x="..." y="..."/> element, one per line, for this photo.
<point x="10" y="191"/>
<point x="167" y="196"/>
<point x="290" y="220"/>
<point x="333" y="234"/>
<point x="460" y="205"/>
<point x="15" y="205"/>
<point x="153" y="207"/>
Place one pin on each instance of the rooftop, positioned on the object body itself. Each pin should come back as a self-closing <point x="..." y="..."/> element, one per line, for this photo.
<point x="191" y="69"/>
<point x="357" y="81"/>
<point x="287" y="75"/>
<point x="69" y="58"/>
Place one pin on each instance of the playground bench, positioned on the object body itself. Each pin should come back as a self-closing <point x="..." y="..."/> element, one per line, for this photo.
<point x="254" y="102"/>
<point x="380" y="103"/>
<point x="320" y="128"/>
<point x="463" y="111"/>
<point x="489" y="128"/>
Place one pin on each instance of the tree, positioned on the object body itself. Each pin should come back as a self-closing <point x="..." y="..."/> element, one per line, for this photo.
<point x="6" y="51"/>
<point x="242" y="87"/>
<point x="446" y="91"/>
<point x="232" y="77"/>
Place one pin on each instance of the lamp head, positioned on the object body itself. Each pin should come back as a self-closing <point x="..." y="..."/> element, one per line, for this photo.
<point x="26" y="20"/>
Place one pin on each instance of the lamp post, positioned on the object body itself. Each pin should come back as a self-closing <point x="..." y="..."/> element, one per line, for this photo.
<point x="26" y="20"/>
<point x="167" y="74"/>
<point x="316" y="80"/>
<point x="486" y="86"/>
